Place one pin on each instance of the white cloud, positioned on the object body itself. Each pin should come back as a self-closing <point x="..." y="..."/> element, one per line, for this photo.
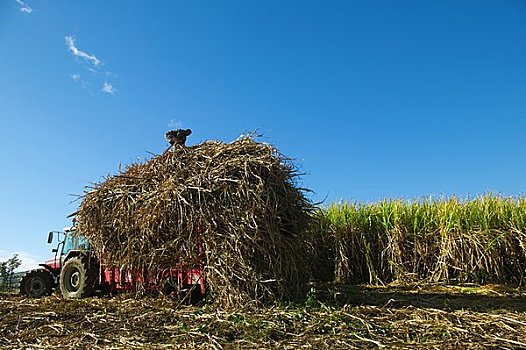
<point x="29" y="261"/>
<point x="78" y="79"/>
<point x="108" y="88"/>
<point x="92" y="76"/>
<point x="175" y="124"/>
<point x="24" y="7"/>
<point x="70" y="42"/>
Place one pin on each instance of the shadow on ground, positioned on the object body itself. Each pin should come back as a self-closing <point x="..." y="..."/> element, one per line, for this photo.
<point x="447" y="298"/>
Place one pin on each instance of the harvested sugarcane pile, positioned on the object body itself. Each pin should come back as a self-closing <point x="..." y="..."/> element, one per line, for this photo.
<point x="243" y="198"/>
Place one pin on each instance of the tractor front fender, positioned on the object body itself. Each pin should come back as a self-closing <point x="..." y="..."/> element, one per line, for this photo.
<point x="54" y="271"/>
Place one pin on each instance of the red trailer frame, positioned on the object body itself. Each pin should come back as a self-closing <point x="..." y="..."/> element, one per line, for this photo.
<point x="184" y="277"/>
<point x="181" y="280"/>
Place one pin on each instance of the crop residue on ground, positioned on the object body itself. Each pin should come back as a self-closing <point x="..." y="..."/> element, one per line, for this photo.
<point x="438" y="318"/>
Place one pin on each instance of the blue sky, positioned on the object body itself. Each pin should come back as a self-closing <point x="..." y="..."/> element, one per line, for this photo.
<point x="375" y="99"/>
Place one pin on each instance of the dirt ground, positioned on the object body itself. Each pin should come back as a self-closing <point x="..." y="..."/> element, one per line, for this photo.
<point x="336" y="317"/>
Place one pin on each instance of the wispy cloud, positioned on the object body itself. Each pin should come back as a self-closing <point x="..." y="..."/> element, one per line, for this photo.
<point x="70" y="42"/>
<point x="108" y="88"/>
<point x="83" y="82"/>
<point x="92" y="76"/>
<point x="24" y="7"/>
<point x="175" y="124"/>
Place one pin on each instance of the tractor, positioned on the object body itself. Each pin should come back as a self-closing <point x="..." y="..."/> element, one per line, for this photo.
<point x="78" y="272"/>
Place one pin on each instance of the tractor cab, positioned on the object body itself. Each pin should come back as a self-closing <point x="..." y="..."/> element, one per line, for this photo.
<point x="73" y="242"/>
<point x="67" y="242"/>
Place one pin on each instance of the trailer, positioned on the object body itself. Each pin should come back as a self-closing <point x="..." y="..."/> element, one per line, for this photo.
<point x="78" y="271"/>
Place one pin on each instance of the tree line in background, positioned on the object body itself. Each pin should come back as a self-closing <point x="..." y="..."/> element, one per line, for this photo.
<point x="7" y="274"/>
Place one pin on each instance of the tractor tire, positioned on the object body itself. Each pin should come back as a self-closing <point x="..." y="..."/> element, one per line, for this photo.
<point x="79" y="277"/>
<point x="37" y="283"/>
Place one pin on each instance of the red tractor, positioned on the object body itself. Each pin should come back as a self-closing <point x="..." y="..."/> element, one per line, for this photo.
<point x="78" y="272"/>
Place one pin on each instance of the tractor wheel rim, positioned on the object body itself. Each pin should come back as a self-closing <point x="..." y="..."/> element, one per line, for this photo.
<point x="75" y="279"/>
<point x="36" y="287"/>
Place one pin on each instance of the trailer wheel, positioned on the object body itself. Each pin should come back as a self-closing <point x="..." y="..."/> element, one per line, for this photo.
<point x="171" y="287"/>
<point x="36" y="284"/>
<point x="78" y="278"/>
<point x="188" y="295"/>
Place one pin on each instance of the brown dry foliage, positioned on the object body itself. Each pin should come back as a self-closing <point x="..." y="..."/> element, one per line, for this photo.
<point x="244" y="197"/>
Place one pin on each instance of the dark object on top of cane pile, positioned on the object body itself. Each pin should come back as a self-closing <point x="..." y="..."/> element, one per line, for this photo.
<point x="244" y="197"/>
